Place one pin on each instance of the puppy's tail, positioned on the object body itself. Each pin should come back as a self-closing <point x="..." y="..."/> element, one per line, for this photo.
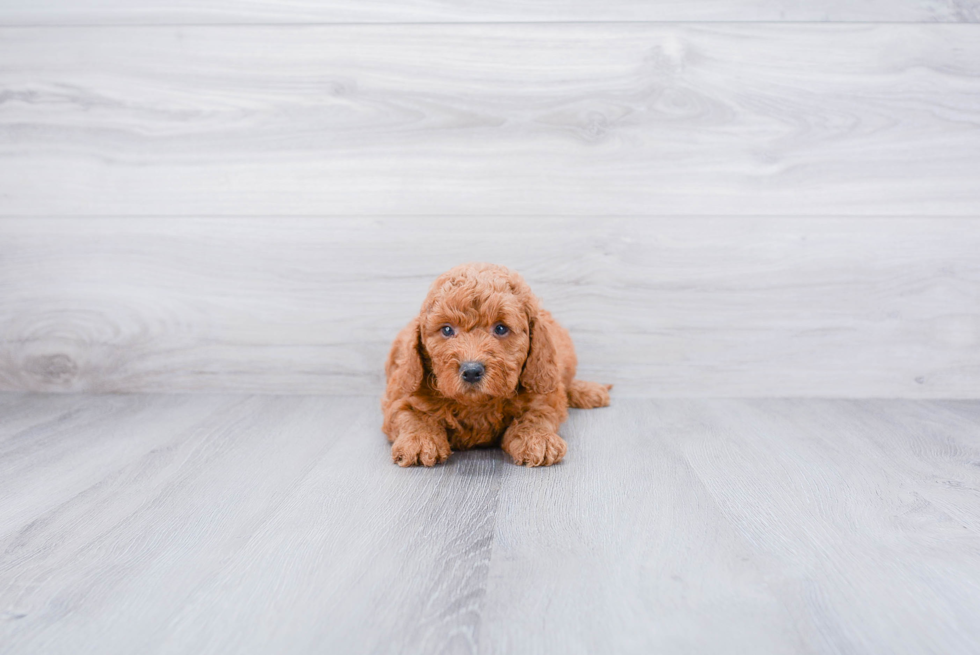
<point x="588" y="395"/>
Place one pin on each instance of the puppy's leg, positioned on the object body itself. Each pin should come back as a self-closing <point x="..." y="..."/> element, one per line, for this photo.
<point x="533" y="440"/>
<point x="419" y="439"/>
<point x="588" y="395"/>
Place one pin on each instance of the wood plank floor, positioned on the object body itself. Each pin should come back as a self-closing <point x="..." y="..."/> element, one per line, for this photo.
<point x="180" y="523"/>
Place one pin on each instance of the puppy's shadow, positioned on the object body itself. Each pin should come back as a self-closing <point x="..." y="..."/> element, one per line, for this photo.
<point x="478" y="462"/>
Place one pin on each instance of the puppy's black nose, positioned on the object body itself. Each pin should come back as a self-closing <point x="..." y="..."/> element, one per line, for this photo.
<point x="471" y="372"/>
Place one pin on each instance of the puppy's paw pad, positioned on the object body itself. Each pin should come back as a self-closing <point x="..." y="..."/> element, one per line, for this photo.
<point x="537" y="449"/>
<point x="409" y="450"/>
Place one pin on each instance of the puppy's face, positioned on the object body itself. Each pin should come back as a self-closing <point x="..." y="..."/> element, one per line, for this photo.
<point x="477" y="339"/>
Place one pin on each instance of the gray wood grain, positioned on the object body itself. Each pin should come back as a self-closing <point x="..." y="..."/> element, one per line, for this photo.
<point x="622" y="550"/>
<point x="212" y="524"/>
<point x="770" y="526"/>
<point x="687" y="306"/>
<point x="501" y="119"/>
<point x="237" y="503"/>
<point x="157" y="12"/>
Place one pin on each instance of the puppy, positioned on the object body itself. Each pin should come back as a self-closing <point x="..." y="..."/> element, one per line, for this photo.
<point x="482" y="365"/>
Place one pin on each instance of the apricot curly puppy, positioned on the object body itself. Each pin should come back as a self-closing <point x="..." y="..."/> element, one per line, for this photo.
<point x="482" y="365"/>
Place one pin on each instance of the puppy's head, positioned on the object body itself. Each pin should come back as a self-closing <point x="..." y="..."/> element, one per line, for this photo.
<point x="477" y="331"/>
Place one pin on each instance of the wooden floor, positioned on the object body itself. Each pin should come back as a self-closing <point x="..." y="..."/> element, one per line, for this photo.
<point x="261" y="524"/>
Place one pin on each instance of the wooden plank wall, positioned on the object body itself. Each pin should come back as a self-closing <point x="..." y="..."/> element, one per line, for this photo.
<point x="720" y="198"/>
<point x="584" y="120"/>
<point x="661" y="306"/>
<point x="176" y="12"/>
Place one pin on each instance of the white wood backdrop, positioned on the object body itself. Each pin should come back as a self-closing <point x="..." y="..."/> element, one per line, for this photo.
<point x="601" y="119"/>
<point x="169" y="12"/>
<point x="254" y="196"/>
<point x="659" y="306"/>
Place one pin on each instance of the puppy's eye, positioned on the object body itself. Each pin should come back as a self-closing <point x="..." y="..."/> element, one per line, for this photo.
<point x="448" y="331"/>
<point x="501" y="330"/>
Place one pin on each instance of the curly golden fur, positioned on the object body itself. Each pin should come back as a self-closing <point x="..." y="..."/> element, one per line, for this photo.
<point x="485" y="317"/>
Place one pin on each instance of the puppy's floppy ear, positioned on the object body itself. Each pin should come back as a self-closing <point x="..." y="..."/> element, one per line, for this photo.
<point x="404" y="367"/>
<point x="540" y="374"/>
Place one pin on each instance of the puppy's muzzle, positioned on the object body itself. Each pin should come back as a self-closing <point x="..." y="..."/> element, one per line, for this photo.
<point x="471" y="372"/>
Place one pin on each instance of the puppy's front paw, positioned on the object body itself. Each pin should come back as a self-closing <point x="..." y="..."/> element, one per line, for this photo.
<point x="537" y="448"/>
<point x="420" y="448"/>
